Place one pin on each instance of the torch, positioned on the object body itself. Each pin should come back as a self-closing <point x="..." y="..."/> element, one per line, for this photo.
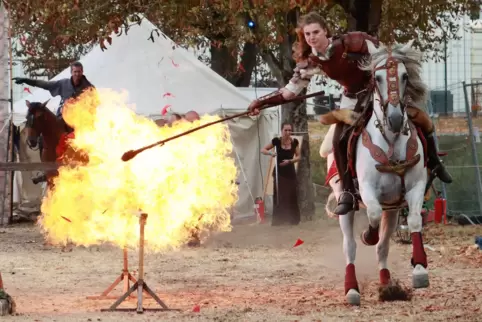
<point x="133" y="153"/>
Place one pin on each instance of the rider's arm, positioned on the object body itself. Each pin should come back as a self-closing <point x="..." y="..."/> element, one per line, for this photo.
<point x="301" y="79"/>
<point x="54" y="87"/>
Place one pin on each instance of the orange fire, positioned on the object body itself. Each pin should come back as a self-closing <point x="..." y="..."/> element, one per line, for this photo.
<point x="188" y="182"/>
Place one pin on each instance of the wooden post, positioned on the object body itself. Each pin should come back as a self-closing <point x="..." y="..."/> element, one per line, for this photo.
<point x="6" y="304"/>
<point x="4" y="100"/>
<point x="3" y="302"/>
<point x="11" y="147"/>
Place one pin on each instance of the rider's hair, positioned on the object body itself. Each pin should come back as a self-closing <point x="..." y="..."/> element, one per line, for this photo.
<point x="76" y="64"/>
<point x="301" y="49"/>
<point x="286" y="123"/>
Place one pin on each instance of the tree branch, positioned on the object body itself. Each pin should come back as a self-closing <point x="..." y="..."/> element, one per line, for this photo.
<point x="274" y="66"/>
<point x="248" y="62"/>
<point x="375" y="16"/>
<point x="362" y="12"/>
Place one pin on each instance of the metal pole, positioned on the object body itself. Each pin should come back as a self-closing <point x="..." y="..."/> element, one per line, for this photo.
<point x="276" y="176"/>
<point x="431" y="112"/>
<point x="474" y="148"/>
<point x="446" y="82"/>
<point x="444" y="189"/>
<point x="5" y="184"/>
<point x="11" y="127"/>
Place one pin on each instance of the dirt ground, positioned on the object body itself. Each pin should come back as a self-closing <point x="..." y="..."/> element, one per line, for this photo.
<point x="250" y="274"/>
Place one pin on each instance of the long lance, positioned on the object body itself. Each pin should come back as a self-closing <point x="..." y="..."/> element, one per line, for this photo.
<point x="133" y="153"/>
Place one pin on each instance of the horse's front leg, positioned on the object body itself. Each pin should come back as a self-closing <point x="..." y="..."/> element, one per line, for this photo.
<point x="370" y="236"/>
<point x="352" y="292"/>
<point x="387" y="227"/>
<point x="414" y="198"/>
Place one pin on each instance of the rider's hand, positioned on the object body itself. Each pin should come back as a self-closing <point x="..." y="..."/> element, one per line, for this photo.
<point x="19" y="80"/>
<point x="254" y="107"/>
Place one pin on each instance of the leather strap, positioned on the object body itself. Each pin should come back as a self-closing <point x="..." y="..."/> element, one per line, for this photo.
<point x="383" y="158"/>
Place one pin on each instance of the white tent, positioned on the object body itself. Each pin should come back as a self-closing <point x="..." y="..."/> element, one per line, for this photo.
<point x="147" y="70"/>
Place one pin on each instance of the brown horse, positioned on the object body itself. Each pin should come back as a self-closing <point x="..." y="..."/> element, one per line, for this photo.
<point x="43" y="122"/>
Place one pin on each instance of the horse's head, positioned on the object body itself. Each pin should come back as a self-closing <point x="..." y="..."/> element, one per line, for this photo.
<point x="396" y="76"/>
<point x="36" y="121"/>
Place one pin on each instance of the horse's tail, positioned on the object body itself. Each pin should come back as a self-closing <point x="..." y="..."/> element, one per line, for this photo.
<point x="330" y="206"/>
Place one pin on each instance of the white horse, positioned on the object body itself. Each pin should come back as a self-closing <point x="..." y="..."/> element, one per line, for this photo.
<point x="389" y="165"/>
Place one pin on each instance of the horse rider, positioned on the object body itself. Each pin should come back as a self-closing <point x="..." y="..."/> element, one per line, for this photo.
<point x="316" y="52"/>
<point x="66" y="88"/>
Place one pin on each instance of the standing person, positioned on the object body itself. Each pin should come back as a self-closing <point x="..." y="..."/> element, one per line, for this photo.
<point x="316" y="52"/>
<point x="287" y="154"/>
<point x="67" y="88"/>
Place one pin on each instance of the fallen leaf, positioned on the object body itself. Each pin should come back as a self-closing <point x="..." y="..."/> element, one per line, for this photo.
<point x="298" y="242"/>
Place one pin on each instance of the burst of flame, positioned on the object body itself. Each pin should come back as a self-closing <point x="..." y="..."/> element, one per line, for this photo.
<point x="189" y="182"/>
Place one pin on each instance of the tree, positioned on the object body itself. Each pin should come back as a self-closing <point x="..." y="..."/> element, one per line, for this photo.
<point x="50" y="30"/>
<point x="222" y="25"/>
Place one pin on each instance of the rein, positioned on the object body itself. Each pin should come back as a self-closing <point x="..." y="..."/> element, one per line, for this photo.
<point x="133" y="153"/>
<point x="27" y="142"/>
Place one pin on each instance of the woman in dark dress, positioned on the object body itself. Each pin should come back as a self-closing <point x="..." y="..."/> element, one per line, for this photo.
<point x="287" y="153"/>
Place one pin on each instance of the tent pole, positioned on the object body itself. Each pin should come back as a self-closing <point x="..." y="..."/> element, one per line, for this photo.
<point x="241" y="166"/>
<point x="11" y="127"/>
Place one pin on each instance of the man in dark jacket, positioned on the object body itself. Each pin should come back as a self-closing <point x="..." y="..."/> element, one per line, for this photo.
<point x="66" y="88"/>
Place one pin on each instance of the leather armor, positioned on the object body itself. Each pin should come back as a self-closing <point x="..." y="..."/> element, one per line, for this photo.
<point x="342" y="65"/>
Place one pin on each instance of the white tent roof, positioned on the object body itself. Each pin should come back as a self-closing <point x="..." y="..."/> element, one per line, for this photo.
<point x="164" y="68"/>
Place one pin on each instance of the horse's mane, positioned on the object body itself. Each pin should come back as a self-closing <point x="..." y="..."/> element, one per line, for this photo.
<point x="36" y="104"/>
<point x="39" y="105"/>
<point x="416" y="89"/>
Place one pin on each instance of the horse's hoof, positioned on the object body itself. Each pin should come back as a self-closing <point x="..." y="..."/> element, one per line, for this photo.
<point x="353" y="297"/>
<point x="369" y="238"/>
<point x="420" y="277"/>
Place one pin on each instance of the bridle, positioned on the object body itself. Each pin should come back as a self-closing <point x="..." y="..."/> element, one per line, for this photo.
<point x="393" y="93"/>
<point x="29" y="125"/>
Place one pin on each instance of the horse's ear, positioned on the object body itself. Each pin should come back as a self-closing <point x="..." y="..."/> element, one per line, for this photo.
<point x="28" y="103"/>
<point x="45" y="103"/>
<point x="371" y="47"/>
<point x="407" y="46"/>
